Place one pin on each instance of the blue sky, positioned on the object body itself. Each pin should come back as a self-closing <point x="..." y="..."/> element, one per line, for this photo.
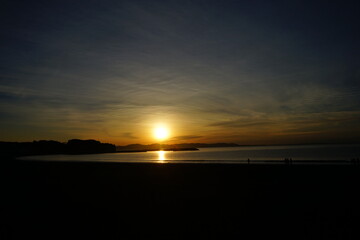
<point x="251" y="72"/>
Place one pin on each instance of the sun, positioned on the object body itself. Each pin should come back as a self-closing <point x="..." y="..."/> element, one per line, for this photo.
<point x="161" y="133"/>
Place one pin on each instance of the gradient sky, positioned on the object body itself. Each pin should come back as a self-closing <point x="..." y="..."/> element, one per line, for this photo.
<point x="249" y="72"/>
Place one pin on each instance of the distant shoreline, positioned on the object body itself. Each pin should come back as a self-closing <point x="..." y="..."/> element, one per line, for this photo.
<point x="296" y="144"/>
<point x="216" y="145"/>
<point x="160" y="149"/>
<point x="76" y="146"/>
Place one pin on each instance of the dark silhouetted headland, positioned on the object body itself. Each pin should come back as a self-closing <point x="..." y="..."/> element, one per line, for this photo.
<point x="47" y="147"/>
<point x="76" y="146"/>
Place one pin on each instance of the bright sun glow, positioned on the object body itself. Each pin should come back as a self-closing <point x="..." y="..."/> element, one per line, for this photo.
<point x="161" y="133"/>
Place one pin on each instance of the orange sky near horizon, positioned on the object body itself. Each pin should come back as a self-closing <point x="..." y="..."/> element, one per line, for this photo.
<point x="211" y="71"/>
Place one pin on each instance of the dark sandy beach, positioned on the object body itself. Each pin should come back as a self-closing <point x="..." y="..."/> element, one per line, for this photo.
<point x="58" y="200"/>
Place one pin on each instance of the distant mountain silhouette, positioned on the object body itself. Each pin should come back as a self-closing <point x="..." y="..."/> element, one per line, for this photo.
<point x="47" y="147"/>
<point x="182" y="146"/>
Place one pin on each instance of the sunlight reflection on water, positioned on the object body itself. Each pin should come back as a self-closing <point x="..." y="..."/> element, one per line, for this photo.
<point x="161" y="157"/>
<point x="257" y="154"/>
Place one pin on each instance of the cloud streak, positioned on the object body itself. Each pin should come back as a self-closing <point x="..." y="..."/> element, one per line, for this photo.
<point x="185" y="137"/>
<point x="206" y="69"/>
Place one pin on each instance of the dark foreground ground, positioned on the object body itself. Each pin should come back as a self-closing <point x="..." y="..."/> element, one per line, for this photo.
<point x="42" y="200"/>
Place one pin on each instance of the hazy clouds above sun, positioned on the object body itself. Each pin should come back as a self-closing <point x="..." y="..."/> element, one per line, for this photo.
<point x="213" y="71"/>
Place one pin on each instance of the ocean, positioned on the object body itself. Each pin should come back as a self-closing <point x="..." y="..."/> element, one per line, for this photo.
<point x="245" y="154"/>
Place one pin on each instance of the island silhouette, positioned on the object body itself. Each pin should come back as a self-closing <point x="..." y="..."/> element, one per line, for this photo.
<point x="171" y="147"/>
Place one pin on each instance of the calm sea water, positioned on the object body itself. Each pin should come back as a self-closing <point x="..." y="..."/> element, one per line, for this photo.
<point x="256" y="154"/>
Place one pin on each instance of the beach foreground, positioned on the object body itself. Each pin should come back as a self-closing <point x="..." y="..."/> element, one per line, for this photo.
<point x="69" y="200"/>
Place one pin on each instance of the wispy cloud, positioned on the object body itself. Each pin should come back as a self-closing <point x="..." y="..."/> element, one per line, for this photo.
<point x="185" y="137"/>
<point x="213" y="68"/>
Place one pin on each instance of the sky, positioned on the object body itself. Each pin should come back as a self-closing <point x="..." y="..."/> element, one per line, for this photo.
<point x="248" y="72"/>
